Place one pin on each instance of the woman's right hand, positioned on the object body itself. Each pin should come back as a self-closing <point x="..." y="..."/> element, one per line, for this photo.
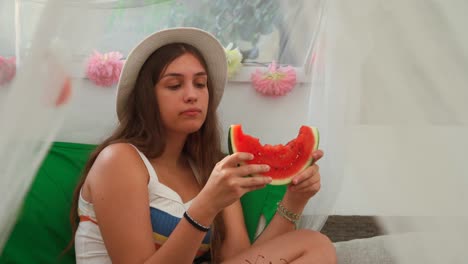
<point x="227" y="182"/>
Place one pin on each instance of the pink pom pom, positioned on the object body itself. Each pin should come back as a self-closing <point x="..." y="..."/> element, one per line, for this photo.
<point x="104" y="69"/>
<point x="276" y="81"/>
<point x="7" y="69"/>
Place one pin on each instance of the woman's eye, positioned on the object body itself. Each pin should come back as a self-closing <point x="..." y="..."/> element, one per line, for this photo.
<point x="174" y="87"/>
<point x="200" y="85"/>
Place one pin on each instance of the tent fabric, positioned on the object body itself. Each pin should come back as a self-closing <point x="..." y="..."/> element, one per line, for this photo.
<point x="90" y="116"/>
<point x="42" y="230"/>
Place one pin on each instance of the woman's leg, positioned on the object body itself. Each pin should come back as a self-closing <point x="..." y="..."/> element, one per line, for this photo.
<point x="300" y="246"/>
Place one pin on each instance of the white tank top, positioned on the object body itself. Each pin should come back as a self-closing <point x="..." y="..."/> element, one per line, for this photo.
<point x="166" y="208"/>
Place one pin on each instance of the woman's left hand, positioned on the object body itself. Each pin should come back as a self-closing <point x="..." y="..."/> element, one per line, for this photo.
<point x="306" y="184"/>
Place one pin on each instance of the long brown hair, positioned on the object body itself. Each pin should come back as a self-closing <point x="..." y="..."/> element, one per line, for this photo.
<point x="141" y="126"/>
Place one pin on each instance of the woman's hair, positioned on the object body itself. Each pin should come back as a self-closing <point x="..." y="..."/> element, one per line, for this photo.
<point x="141" y="126"/>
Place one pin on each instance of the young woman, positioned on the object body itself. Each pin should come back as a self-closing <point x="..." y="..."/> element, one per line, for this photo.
<point x="159" y="190"/>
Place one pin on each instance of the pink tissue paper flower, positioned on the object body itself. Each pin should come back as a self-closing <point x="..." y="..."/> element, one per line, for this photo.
<point x="104" y="69"/>
<point x="7" y="69"/>
<point x="276" y="81"/>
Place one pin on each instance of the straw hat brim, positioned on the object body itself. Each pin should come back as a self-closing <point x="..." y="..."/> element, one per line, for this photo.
<point x="210" y="48"/>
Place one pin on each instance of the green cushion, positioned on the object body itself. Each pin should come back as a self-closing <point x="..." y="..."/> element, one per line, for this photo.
<point x="262" y="201"/>
<point x="42" y="230"/>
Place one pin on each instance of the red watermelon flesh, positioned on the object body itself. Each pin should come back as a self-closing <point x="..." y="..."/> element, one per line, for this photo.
<point x="285" y="161"/>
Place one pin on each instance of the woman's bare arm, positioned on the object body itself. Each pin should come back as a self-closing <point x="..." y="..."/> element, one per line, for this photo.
<point x="237" y="238"/>
<point x="119" y="190"/>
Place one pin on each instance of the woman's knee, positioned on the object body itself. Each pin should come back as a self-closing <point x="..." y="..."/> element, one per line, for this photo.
<point x="313" y="242"/>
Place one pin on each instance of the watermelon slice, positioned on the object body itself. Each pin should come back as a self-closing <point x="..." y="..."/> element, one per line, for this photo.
<point x="285" y="161"/>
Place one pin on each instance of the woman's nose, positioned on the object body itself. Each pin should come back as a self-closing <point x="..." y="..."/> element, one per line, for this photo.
<point x="190" y="93"/>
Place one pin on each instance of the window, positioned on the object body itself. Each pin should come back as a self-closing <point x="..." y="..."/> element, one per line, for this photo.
<point x="264" y="30"/>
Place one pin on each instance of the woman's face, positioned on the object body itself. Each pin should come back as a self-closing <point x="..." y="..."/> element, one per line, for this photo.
<point x="182" y="95"/>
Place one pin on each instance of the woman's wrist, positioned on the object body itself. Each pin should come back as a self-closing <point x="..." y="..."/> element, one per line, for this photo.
<point x="287" y="214"/>
<point x="294" y="205"/>
<point x="201" y="211"/>
<point x="195" y="223"/>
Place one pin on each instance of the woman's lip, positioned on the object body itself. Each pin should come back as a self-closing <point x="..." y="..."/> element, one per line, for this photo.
<point x="191" y="112"/>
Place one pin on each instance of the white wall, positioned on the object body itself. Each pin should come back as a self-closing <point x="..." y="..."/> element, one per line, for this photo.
<point x="275" y="120"/>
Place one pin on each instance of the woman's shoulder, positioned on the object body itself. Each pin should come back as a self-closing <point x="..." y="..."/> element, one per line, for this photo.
<point x="118" y="159"/>
<point x="117" y="167"/>
<point x="118" y="152"/>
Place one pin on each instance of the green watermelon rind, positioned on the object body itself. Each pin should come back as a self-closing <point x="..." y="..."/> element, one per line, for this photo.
<point x="232" y="149"/>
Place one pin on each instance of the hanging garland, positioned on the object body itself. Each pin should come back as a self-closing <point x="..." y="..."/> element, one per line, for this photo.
<point x="234" y="60"/>
<point x="104" y="69"/>
<point x="276" y="81"/>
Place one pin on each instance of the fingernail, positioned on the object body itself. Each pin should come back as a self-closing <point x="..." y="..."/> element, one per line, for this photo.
<point x="266" y="167"/>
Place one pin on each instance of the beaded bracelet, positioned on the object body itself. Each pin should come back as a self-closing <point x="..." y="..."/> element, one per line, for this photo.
<point x="288" y="215"/>
<point x="195" y="223"/>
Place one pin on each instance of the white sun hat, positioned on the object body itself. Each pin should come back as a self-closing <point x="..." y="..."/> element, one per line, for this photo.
<point x="209" y="47"/>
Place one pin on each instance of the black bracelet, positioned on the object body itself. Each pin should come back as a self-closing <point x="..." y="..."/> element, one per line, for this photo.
<point x="195" y="223"/>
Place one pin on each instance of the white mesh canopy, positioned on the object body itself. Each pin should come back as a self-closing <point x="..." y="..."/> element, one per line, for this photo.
<point x="384" y="81"/>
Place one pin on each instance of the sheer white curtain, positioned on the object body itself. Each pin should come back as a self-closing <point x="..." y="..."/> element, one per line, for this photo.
<point x="30" y="115"/>
<point x="60" y="35"/>
<point x="384" y="82"/>
<point x="7" y="36"/>
<point x="401" y="67"/>
<point x="326" y="110"/>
